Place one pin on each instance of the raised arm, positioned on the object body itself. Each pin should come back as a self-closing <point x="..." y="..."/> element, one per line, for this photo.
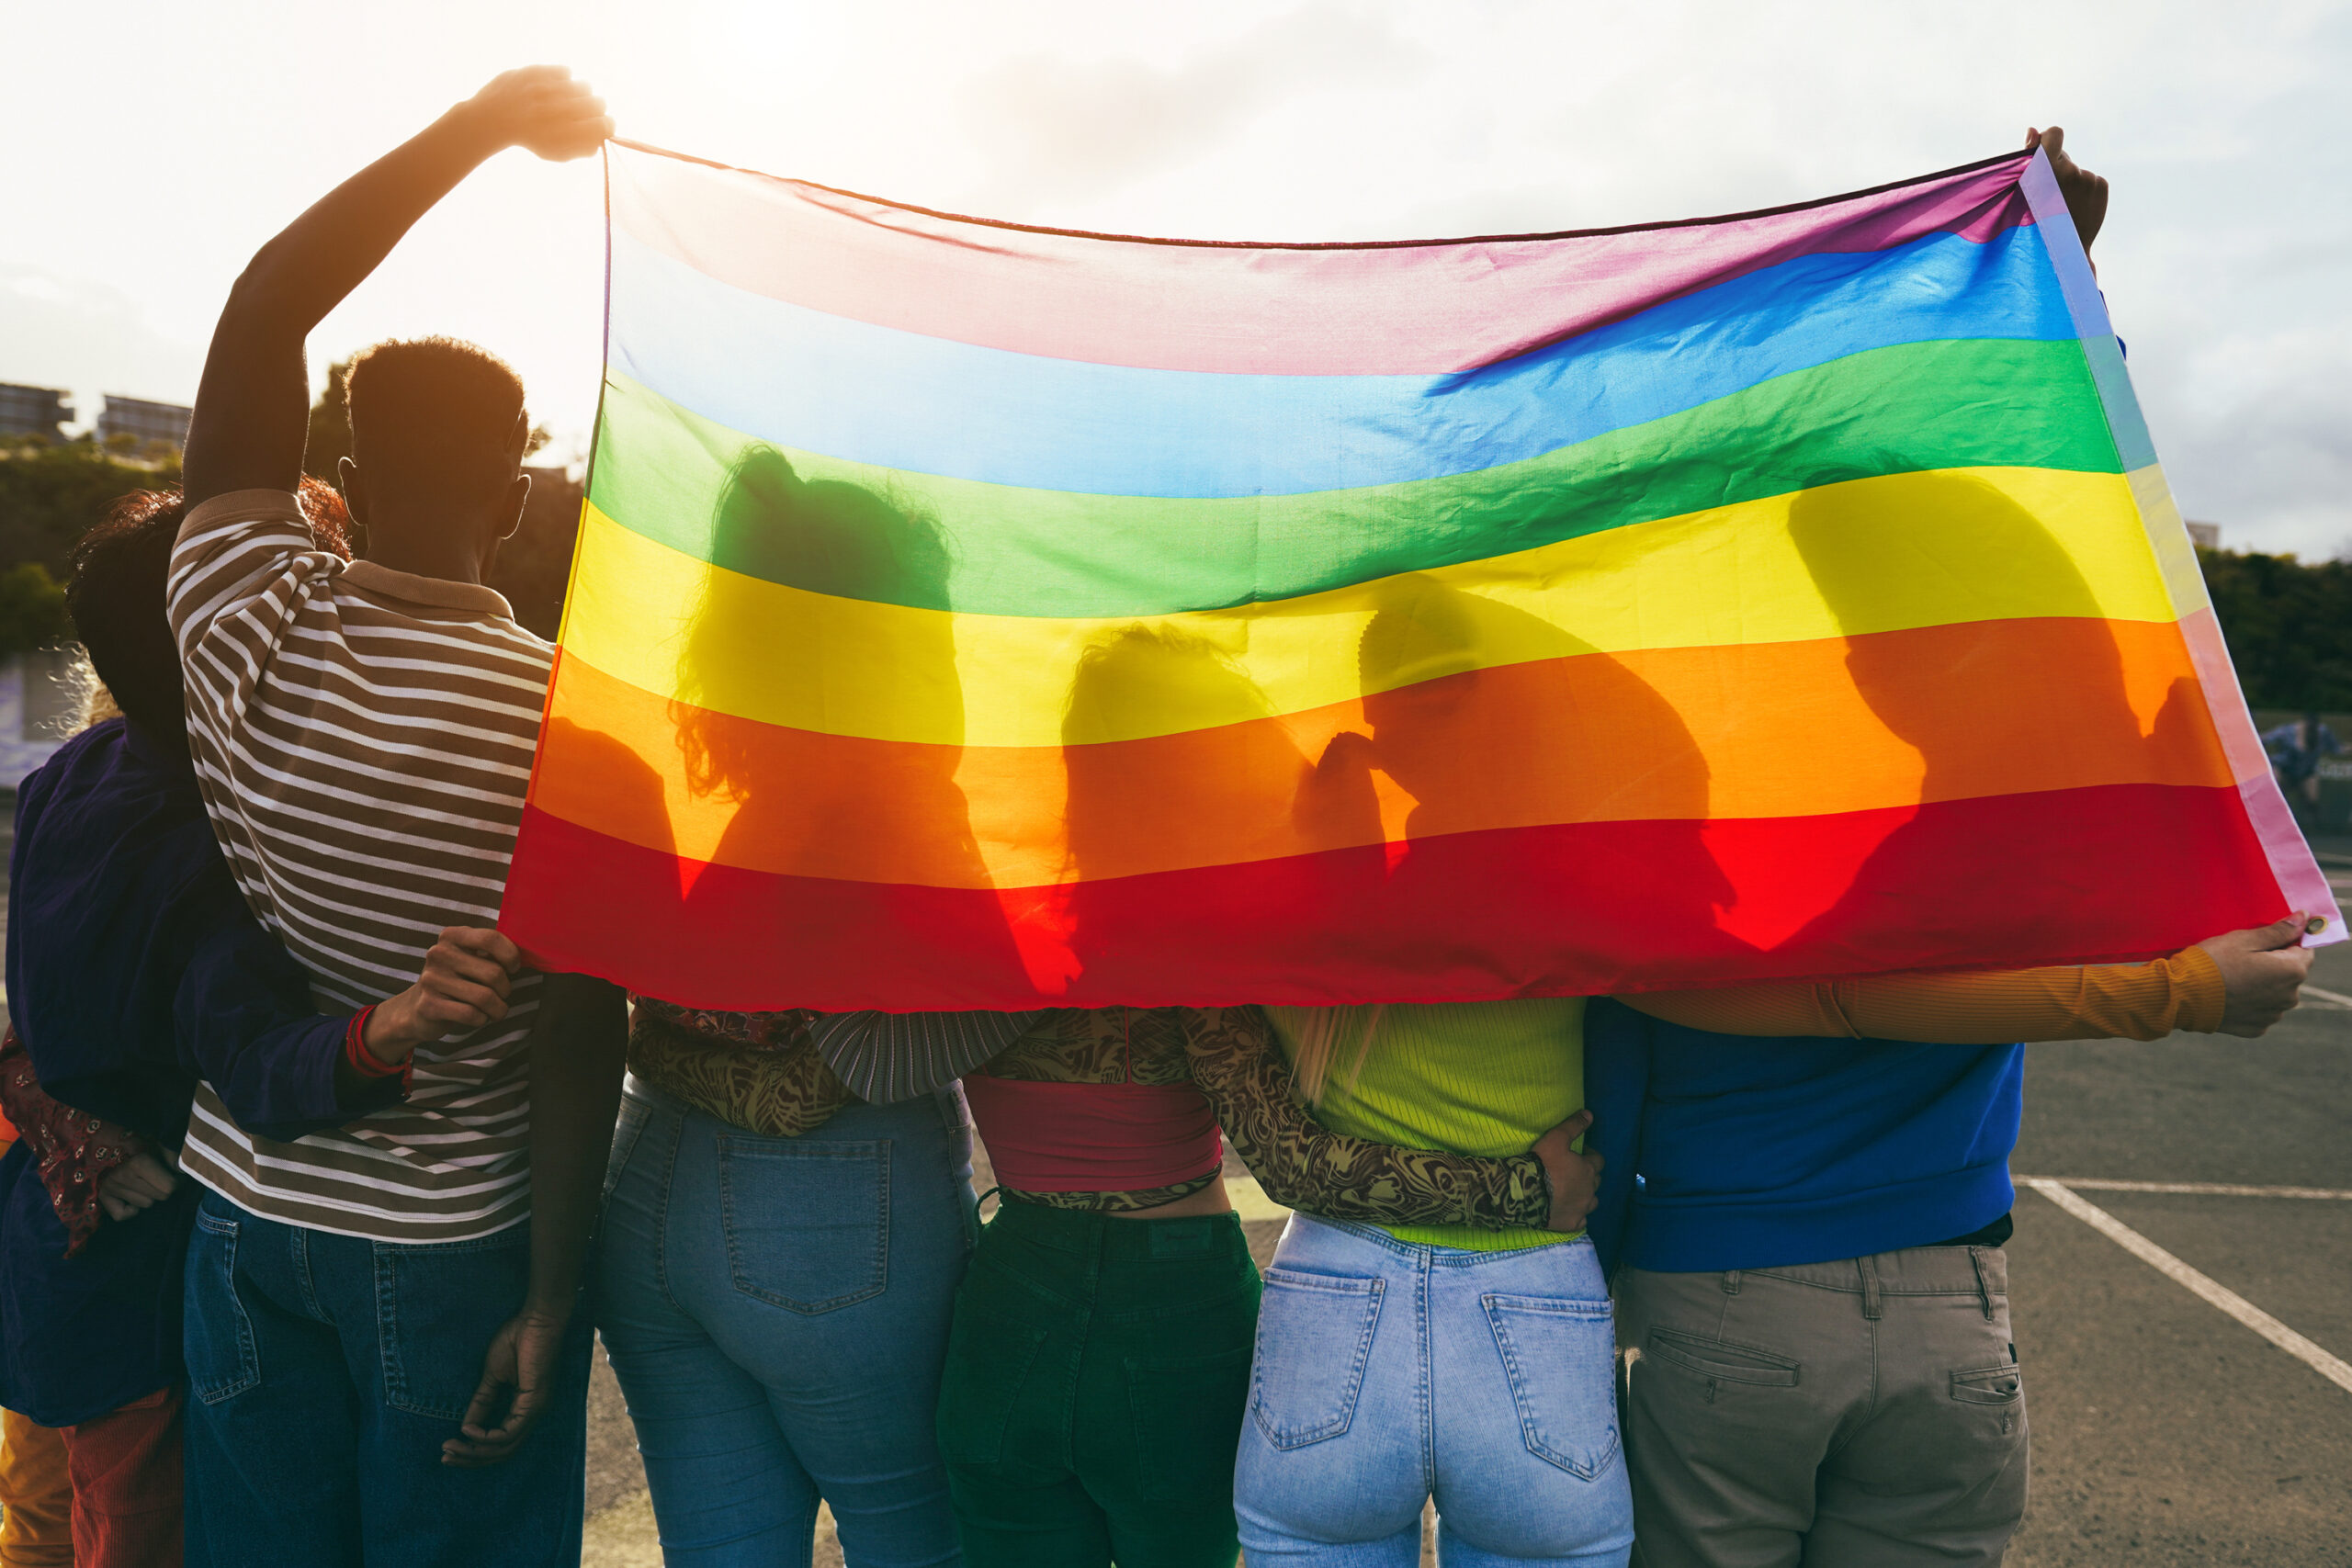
<point x="1305" y="1166"/>
<point x="2241" y="983"/>
<point x="253" y="406"/>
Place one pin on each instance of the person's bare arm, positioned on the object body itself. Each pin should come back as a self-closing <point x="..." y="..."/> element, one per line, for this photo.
<point x="577" y="1046"/>
<point x="253" y="406"/>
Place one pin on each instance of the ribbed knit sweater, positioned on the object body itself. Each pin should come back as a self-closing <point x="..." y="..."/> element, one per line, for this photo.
<point x="1469" y="1077"/>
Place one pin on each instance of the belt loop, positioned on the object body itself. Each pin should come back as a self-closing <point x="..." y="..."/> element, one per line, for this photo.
<point x="1984" y="1286"/>
<point x="1873" y="1300"/>
<point x="1731" y="1282"/>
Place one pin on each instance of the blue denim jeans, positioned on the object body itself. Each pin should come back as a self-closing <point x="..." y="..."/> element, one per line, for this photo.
<point x="776" y="1311"/>
<point x="1389" y="1373"/>
<point x="324" y="1373"/>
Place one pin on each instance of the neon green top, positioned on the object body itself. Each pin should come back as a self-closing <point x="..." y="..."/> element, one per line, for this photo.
<point x="1465" y="1077"/>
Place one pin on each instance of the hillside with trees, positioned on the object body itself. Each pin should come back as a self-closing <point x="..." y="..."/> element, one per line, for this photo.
<point x="51" y="492"/>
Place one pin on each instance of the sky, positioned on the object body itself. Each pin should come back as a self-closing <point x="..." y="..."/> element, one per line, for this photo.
<point x="153" y="146"/>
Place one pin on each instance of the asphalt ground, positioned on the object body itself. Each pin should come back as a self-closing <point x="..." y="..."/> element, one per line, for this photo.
<point x="2166" y="1431"/>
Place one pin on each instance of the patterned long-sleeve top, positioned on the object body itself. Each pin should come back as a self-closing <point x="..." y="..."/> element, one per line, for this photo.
<point x="764" y="1072"/>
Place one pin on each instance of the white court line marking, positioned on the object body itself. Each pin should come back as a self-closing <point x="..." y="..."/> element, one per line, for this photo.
<point x="2214" y="1292"/>
<point x="2338" y="997"/>
<point x="2202" y="1189"/>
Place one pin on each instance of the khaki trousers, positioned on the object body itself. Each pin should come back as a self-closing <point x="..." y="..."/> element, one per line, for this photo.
<point x="1866" y="1413"/>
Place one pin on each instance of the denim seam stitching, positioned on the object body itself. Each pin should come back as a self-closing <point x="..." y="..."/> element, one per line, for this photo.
<point x="677" y="1136"/>
<point x="1425" y="1393"/>
<point x="248" y="1373"/>
<point x="298" y="1239"/>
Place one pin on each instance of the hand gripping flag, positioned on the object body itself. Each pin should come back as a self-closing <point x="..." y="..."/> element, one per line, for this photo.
<point x="975" y="616"/>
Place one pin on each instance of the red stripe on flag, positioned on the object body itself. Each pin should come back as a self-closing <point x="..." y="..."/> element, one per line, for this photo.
<point x="2116" y="872"/>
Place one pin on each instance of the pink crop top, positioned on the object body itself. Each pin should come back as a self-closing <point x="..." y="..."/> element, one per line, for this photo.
<point x="1094" y="1138"/>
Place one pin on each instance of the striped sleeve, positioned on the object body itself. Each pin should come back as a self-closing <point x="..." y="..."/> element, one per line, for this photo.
<point x="884" y="1057"/>
<point x="244" y="567"/>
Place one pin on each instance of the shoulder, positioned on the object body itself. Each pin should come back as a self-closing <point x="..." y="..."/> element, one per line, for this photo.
<point x="243" y="521"/>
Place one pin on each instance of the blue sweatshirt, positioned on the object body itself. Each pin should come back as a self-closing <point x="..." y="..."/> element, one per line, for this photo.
<point x="1728" y="1152"/>
<point x="134" y="968"/>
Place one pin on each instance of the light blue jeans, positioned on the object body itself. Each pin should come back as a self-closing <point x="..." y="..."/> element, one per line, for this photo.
<point x="1389" y="1373"/>
<point x="776" y="1311"/>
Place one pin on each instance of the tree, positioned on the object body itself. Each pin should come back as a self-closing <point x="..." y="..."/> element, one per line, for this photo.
<point x="330" y="438"/>
<point x="2289" y="625"/>
<point x="51" y="494"/>
<point x="534" y="567"/>
<point x="32" y="609"/>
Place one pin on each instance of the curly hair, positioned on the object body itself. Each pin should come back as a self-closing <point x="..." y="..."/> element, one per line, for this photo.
<point x="433" y="417"/>
<point x="115" y="586"/>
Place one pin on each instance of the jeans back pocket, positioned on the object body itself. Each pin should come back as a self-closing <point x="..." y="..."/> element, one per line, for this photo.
<point x="807" y="1224"/>
<point x="1314" y="1335"/>
<point x="1560" y="1356"/>
<point x="222" y="1360"/>
<point x="439" y="1303"/>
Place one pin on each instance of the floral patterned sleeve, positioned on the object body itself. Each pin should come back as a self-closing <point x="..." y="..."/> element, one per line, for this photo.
<point x="781" y="1093"/>
<point x="1303" y="1165"/>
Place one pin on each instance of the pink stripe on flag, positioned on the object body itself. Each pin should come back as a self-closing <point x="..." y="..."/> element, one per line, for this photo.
<point x="1413" y="309"/>
<point x="2292" y="862"/>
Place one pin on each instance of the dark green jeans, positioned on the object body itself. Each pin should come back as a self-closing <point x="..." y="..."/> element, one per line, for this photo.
<point x="1097" y="1377"/>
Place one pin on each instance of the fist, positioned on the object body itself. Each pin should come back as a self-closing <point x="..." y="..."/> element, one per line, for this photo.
<point x="467" y="978"/>
<point x="2086" y="193"/>
<point x="2263" y="971"/>
<point x="544" y="109"/>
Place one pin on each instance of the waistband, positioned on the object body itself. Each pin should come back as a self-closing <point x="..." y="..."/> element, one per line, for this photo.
<point x="1085" y="1232"/>
<point x="858" y="1121"/>
<point x="1911" y="1271"/>
<point x="1304" y="1224"/>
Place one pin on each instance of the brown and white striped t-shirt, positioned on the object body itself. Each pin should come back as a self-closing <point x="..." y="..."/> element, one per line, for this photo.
<point x="364" y="738"/>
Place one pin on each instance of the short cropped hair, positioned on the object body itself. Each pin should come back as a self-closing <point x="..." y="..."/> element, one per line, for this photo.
<point x="115" y="586"/>
<point x="433" y="417"/>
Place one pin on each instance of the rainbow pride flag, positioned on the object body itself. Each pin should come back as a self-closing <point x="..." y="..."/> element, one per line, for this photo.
<point x="974" y="615"/>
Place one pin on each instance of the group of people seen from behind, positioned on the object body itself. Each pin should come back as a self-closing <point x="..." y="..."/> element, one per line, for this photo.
<point x="296" y="1258"/>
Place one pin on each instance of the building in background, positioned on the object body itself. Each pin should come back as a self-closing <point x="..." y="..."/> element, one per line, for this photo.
<point x="144" y="421"/>
<point x="33" y="410"/>
<point x="2205" y="535"/>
